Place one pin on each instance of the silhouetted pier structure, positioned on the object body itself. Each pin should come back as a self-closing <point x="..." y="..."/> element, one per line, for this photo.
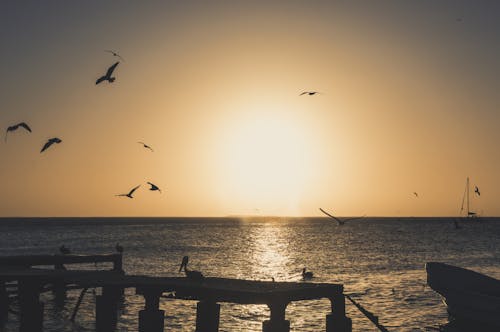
<point x="209" y="292"/>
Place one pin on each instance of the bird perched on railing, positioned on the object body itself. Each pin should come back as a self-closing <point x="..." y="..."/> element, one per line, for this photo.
<point x="195" y="275"/>
<point x="64" y="250"/>
<point x="119" y="248"/>
<point x="306" y="275"/>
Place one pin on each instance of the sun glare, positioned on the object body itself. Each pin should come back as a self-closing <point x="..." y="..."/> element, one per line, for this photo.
<point x="266" y="161"/>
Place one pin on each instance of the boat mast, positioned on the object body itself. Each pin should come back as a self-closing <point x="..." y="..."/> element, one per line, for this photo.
<point x="468" y="211"/>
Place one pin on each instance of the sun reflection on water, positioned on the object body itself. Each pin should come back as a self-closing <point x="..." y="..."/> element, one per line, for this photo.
<point x="270" y="248"/>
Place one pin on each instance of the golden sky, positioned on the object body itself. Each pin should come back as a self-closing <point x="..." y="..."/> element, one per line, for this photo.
<point x="408" y="103"/>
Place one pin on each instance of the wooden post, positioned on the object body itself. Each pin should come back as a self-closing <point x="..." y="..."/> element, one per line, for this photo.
<point x="31" y="309"/>
<point x="106" y="311"/>
<point x="337" y="321"/>
<point x="4" y="303"/>
<point x="277" y="323"/>
<point x="118" y="263"/>
<point x="151" y="319"/>
<point x="207" y="316"/>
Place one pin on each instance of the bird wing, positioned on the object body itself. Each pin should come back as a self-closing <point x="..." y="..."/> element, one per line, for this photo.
<point x="100" y="79"/>
<point x="134" y="189"/>
<point x="303" y="93"/>
<point x="353" y="218"/>
<point x="46" y="146"/>
<point x="111" y="69"/>
<point x="336" y="219"/>
<point x="25" y="126"/>
<point x="153" y="186"/>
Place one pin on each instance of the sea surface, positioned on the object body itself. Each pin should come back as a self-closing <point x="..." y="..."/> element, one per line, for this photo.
<point x="380" y="261"/>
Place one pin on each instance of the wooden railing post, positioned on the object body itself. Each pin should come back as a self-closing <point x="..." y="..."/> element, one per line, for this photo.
<point x="207" y="316"/>
<point x="106" y="311"/>
<point x="118" y="263"/>
<point x="151" y="319"/>
<point x="337" y="321"/>
<point x="31" y="309"/>
<point x="277" y="323"/>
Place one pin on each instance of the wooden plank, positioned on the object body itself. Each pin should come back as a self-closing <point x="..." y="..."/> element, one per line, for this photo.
<point x="37" y="260"/>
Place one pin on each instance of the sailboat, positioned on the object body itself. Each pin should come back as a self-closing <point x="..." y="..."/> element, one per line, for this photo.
<point x="466" y="201"/>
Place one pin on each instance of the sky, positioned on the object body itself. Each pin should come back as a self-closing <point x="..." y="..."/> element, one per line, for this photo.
<point x="408" y="102"/>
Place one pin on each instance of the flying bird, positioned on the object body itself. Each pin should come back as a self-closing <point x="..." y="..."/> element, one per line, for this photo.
<point x="307" y="275"/>
<point x="146" y="146"/>
<point x="339" y="221"/>
<point x="195" y="275"/>
<point x="154" y="187"/>
<point x="309" y="93"/>
<point x="107" y="76"/>
<point x="14" y="127"/>
<point x="114" y="54"/>
<point x="476" y="190"/>
<point x="415" y="193"/>
<point x="50" y="142"/>
<point x="129" y="195"/>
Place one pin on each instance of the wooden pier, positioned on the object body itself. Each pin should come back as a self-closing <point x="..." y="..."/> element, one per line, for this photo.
<point x="209" y="292"/>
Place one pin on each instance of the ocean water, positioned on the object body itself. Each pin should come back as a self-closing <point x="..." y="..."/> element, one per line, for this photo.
<point x="380" y="261"/>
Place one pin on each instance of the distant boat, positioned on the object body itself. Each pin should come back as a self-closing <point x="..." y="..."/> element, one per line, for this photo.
<point x="466" y="201"/>
<point x="472" y="298"/>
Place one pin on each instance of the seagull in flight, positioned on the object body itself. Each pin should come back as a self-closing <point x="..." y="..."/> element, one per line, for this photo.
<point x="309" y="93"/>
<point x="114" y="54"/>
<point x="129" y="195"/>
<point x="50" y="142"/>
<point x="339" y="221"/>
<point x="14" y="127"/>
<point x="415" y="193"/>
<point x="476" y="190"/>
<point x="146" y="146"/>
<point x="154" y="187"/>
<point x="107" y="76"/>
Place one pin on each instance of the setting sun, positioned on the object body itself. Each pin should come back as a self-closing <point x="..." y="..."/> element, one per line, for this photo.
<point x="266" y="159"/>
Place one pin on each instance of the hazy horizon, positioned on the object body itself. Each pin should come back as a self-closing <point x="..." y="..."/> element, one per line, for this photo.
<point x="408" y="103"/>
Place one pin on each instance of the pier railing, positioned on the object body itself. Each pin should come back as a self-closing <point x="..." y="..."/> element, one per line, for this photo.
<point x="209" y="292"/>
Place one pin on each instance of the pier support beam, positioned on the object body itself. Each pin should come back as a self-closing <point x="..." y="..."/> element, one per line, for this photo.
<point x="106" y="311"/>
<point x="31" y="309"/>
<point x="337" y="321"/>
<point x="4" y="303"/>
<point x="207" y="316"/>
<point x="277" y="323"/>
<point x="151" y="319"/>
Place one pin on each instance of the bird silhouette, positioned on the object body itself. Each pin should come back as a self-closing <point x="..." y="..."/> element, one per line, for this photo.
<point x="115" y="54"/>
<point x="129" y="195"/>
<point x="195" y="275"/>
<point x="339" y="221"/>
<point x="119" y="248"/>
<point x="14" y="127"/>
<point x="415" y="193"/>
<point x="154" y="187"/>
<point x="476" y="190"/>
<point x="309" y="93"/>
<point x="50" y="142"/>
<point x="306" y="275"/>
<point x="146" y="146"/>
<point x="64" y="250"/>
<point x="107" y="76"/>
